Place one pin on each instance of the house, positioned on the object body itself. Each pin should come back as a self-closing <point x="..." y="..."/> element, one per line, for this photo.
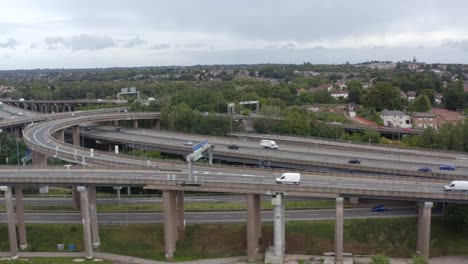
<point x="341" y="84"/>
<point x="393" y="118"/>
<point x="403" y="95"/>
<point x="411" y="95"/>
<point x="438" y="98"/>
<point x="446" y="116"/>
<point x="423" y="120"/>
<point x="339" y="94"/>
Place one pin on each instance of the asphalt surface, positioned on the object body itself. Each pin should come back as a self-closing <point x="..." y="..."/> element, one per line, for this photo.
<point x="216" y="217"/>
<point x="297" y="149"/>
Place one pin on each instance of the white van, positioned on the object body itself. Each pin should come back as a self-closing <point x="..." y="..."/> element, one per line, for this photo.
<point x="269" y="144"/>
<point x="289" y="178"/>
<point x="457" y="186"/>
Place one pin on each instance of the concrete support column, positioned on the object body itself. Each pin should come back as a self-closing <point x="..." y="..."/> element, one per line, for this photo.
<point x="135" y="123"/>
<point x="252" y="226"/>
<point x="258" y="217"/>
<point x="158" y="124"/>
<point x="277" y="201"/>
<point x="424" y="233"/>
<point x="420" y="213"/>
<point x="39" y="158"/>
<point x="180" y="213"/>
<point x="339" y="231"/>
<point x="174" y="217"/>
<point x="116" y="122"/>
<point x="84" y="197"/>
<point x="168" y="226"/>
<point x="76" y="200"/>
<point x="11" y="222"/>
<point x="20" y="217"/>
<point x="94" y="217"/>
<point x="76" y="135"/>
<point x="17" y="132"/>
<point x="61" y="135"/>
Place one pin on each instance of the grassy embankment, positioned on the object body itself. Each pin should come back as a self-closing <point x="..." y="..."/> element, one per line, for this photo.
<point x="50" y="261"/>
<point x="392" y="237"/>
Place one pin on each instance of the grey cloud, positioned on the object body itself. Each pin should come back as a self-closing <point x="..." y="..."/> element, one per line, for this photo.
<point x="136" y="41"/>
<point x="288" y="46"/>
<point x="56" y="42"/>
<point x="160" y="46"/>
<point x="90" y="42"/>
<point x="9" y="44"/>
<point x="460" y="44"/>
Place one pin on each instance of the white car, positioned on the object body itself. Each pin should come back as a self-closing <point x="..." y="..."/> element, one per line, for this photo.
<point x="188" y="143"/>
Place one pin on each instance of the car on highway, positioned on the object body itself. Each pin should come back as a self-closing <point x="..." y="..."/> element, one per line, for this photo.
<point x="379" y="208"/>
<point x="354" y="161"/>
<point x="188" y="143"/>
<point x="233" y="146"/>
<point x="447" y="167"/>
<point x="425" y="169"/>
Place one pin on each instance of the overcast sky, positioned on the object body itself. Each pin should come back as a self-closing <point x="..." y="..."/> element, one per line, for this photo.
<point x="115" y="33"/>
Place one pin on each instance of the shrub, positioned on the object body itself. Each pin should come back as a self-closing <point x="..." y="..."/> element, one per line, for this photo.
<point x="419" y="260"/>
<point x="380" y="259"/>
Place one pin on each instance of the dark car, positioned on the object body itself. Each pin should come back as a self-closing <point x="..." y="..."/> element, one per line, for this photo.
<point x="447" y="167"/>
<point x="379" y="208"/>
<point x="425" y="169"/>
<point x="233" y="146"/>
<point x="354" y="161"/>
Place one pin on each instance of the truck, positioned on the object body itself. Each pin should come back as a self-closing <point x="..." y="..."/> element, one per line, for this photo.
<point x="289" y="178"/>
<point x="1" y="105"/>
<point x="269" y="144"/>
<point x="457" y="186"/>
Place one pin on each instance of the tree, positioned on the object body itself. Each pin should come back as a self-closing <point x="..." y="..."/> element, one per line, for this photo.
<point x="421" y="104"/>
<point x="355" y="91"/>
<point x="383" y="96"/>
<point x="454" y="97"/>
<point x="430" y="94"/>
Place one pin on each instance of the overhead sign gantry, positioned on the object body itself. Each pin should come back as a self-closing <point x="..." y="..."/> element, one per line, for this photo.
<point x="199" y="150"/>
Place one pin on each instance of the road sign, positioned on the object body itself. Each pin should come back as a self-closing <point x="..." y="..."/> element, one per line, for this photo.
<point x="199" y="145"/>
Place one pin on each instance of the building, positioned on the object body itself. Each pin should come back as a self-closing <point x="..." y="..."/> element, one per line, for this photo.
<point x="393" y="118"/>
<point x="411" y="95"/>
<point x="340" y="94"/>
<point x="446" y="116"/>
<point x="423" y="120"/>
<point x="438" y="98"/>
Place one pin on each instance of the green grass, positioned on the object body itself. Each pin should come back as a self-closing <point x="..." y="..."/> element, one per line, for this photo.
<point x="391" y="237"/>
<point x="51" y="261"/>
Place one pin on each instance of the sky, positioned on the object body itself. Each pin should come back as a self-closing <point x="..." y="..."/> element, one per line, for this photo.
<point x="119" y="33"/>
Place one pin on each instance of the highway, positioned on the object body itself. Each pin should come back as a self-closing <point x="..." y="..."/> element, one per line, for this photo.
<point x="290" y="148"/>
<point x="216" y="217"/>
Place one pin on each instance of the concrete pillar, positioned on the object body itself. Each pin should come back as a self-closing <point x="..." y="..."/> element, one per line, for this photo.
<point x="424" y="233"/>
<point x="61" y="135"/>
<point x="277" y="201"/>
<point x="17" y="132"/>
<point x="135" y="123"/>
<point x="11" y="222"/>
<point x="94" y="217"/>
<point x="116" y="122"/>
<point x="252" y="227"/>
<point x="39" y="159"/>
<point x="174" y="217"/>
<point x="420" y="213"/>
<point x="258" y="217"/>
<point x="158" y="124"/>
<point x="180" y="213"/>
<point x="76" y="135"/>
<point x="20" y="217"/>
<point x="76" y="200"/>
<point x="168" y="229"/>
<point x="339" y="231"/>
<point x="86" y="221"/>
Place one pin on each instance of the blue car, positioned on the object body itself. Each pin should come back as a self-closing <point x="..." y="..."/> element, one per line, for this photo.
<point x="447" y="167"/>
<point x="379" y="208"/>
<point x="425" y="169"/>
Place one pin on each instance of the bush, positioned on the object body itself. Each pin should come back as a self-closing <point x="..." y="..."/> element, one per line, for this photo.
<point x="380" y="259"/>
<point x="419" y="260"/>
